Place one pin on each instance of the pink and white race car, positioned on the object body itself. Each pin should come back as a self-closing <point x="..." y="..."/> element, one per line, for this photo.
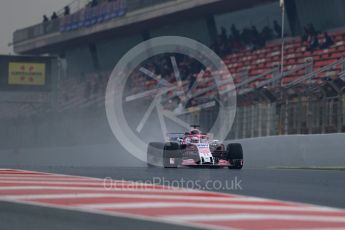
<point x="194" y="149"/>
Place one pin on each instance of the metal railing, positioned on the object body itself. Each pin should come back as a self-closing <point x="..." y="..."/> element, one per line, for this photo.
<point x="53" y="26"/>
<point x="313" y="74"/>
<point x="309" y="112"/>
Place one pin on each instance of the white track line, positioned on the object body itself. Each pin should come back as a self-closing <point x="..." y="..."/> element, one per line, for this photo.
<point x="202" y="205"/>
<point x="249" y="216"/>
<point x="102" y="183"/>
<point x="70" y="181"/>
<point x="49" y="177"/>
<point x="50" y="180"/>
<point x="15" y="178"/>
<point x="84" y="181"/>
<point x="53" y="182"/>
<point x="116" y="195"/>
<point x="139" y="189"/>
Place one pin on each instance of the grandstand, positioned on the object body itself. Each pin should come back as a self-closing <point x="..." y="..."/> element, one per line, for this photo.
<point x="306" y="97"/>
<point x="263" y="60"/>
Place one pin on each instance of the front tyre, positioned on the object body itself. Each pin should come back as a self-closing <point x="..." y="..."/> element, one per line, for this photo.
<point x="171" y="155"/>
<point x="234" y="154"/>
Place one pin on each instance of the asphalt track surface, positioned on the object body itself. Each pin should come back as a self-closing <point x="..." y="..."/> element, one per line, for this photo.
<point x="320" y="187"/>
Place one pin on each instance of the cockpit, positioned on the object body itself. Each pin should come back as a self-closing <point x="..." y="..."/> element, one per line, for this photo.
<point x="194" y="132"/>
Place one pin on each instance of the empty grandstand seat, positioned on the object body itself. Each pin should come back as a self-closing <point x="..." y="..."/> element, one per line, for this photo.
<point x="341" y="48"/>
<point x="291" y="61"/>
<point x="337" y="55"/>
<point x="323" y="63"/>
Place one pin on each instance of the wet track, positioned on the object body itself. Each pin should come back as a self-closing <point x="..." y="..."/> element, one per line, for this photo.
<point x="308" y="186"/>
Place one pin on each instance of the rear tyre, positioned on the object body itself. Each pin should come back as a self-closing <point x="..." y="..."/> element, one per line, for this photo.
<point x="234" y="154"/>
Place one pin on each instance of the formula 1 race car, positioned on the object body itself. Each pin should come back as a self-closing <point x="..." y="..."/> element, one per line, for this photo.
<point x="194" y="149"/>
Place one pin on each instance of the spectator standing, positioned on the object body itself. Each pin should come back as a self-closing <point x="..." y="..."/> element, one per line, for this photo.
<point x="94" y="3"/>
<point x="215" y="46"/>
<point x="277" y="29"/>
<point x="255" y="38"/>
<point x="313" y="43"/>
<point x="45" y="19"/>
<point x="223" y="34"/>
<point x="311" y="30"/>
<point x="235" y="32"/>
<point x="45" y="23"/>
<point x="328" y="41"/>
<point x="267" y="33"/>
<point x="67" y="10"/>
<point x="306" y="34"/>
<point x="54" y="16"/>
<point x="246" y="35"/>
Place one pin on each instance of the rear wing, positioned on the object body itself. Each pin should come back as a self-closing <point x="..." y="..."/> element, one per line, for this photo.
<point x="179" y="136"/>
<point x="175" y="136"/>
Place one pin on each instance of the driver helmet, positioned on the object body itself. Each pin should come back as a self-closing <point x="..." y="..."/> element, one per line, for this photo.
<point x="195" y="132"/>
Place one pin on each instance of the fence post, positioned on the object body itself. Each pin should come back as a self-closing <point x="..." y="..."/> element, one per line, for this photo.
<point x="342" y="113"/>
<point x="244" y="124"/>
<point x="339" y="113"/>
<point x="241" y="122"/>
<point x="299" y="114"/>
<point x="324" y="115"/>
<point x="259" y="123"/>
<point x="253" y="123"/>
<point x="343" y="65"/>
<point x="309" y="119"/>
<point x="309" y="65"/>
<point x="286" y="116"/>
<point x="268" y="113"/>
<point x="276" y="75"/>
<point x="274" y="118"/>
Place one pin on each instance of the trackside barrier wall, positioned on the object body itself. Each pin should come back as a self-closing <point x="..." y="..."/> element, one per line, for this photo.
<point x="326" y="150"/>
<point x="315" y="150"/>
